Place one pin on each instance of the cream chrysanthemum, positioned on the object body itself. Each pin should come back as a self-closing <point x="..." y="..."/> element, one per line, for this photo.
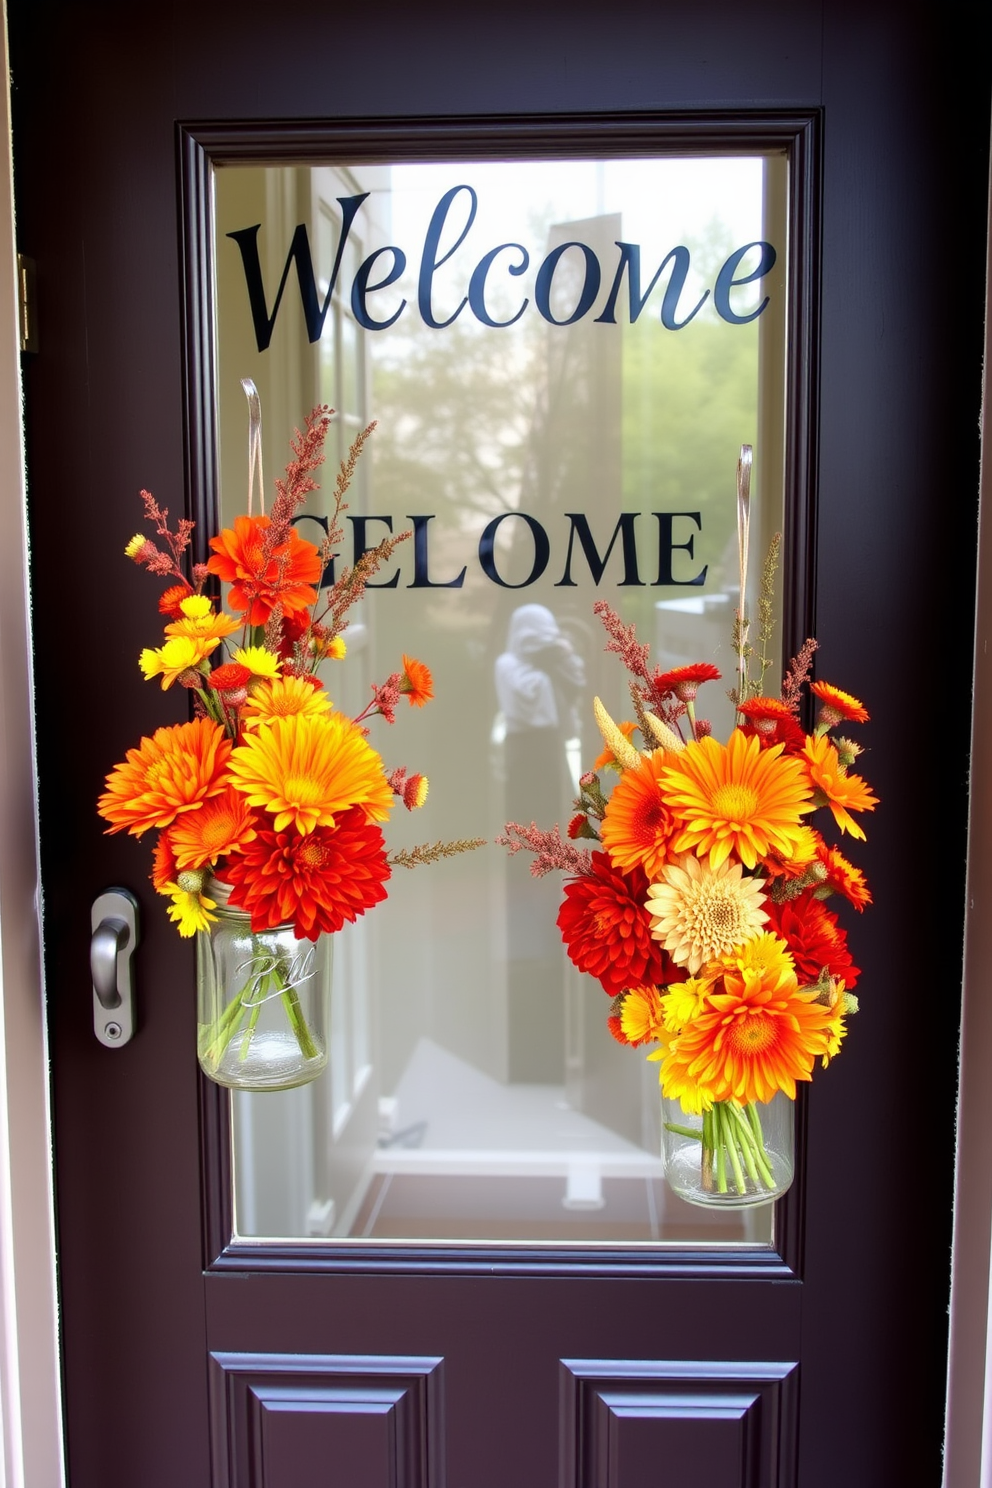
<point x="700" y="913"/>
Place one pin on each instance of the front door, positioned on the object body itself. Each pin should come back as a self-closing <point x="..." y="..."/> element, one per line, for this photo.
<point x="337" y="1285"/>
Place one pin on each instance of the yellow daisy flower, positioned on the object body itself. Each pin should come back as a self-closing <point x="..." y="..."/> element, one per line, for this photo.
<point x="259" y="661"/>
<point x="179" y="654"/>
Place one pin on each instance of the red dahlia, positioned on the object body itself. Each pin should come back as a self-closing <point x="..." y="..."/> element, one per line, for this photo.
<point x="607" y="930"/>
<point x="814" y="938"/>
<point x="315" y="882"/>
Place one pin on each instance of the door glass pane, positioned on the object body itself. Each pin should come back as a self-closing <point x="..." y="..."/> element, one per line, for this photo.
<point x="563" y="359"/>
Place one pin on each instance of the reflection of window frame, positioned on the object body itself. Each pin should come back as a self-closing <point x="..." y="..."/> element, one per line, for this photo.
<point x="327" y="185"/>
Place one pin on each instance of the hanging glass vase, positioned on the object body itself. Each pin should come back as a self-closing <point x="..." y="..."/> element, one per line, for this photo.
<point x="731" y="1156"/>
<point x="261" y="1002"/>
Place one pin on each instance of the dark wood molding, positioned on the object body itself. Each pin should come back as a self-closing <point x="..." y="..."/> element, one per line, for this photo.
<point x="400" y="1398"/>
<point x="753" y="1406"/>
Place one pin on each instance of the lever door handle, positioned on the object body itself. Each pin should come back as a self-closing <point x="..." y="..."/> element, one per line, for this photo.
<point x="114" y="923"/>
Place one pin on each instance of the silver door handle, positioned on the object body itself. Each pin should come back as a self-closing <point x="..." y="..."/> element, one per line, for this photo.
<point x="114" y="923"/>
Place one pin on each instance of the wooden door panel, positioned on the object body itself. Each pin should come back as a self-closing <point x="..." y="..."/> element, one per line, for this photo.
<point x="544" y="1380"/>
<point x="663" y="1423"/>
<point x="347" y="1421"/>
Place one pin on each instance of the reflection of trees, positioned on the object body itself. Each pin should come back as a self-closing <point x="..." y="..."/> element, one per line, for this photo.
<point x="455" y="409"/>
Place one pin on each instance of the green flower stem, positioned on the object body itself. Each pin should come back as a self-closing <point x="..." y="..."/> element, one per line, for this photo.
<point x="249" y="999"/>
<point x="684" y="1131"/>
<point x="761" y="1156"/>
<point x="734" y="1156"/>
<point x="291" y="1002"/>
<point x="732" y="1143"/>
<point x="746" y="1142"/>
<point x="708" y="1144"/>
<point x="222" y="1030"/>
<point x="256" y="1013"/>
<point x="721" y="1151"/>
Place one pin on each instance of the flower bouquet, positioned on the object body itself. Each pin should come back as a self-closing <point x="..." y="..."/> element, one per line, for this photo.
<point x="268" y="801"/>
<point x="705" y="912"/>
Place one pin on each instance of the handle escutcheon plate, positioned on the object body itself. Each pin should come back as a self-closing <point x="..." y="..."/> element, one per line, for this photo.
<point x="114" y="923"/>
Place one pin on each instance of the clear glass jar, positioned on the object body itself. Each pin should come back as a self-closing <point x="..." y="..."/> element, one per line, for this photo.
<point x="262" y="1002"/>
<point x="732" y="1156"/>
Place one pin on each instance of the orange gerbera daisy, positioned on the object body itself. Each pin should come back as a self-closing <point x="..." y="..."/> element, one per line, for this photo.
<point x="844" y="877"/>
<point x="223" y="824"/>
<point x="167" y="775"/>
<point x="637" y="828"/>
<point x="258" y="583"/>
<point x="607" y="757"/>
<point x="306" y="770"/>
<point x="843" y="793"/>
<point x="163" y="863"/>
<point x="418" y="684"/>
<point x="837" y="705"/>
<point x="684" y="681"/>
<point x="736" y="798"/>
<point x="805" y="850"/>
<point x="282" y="698"/>
<point x="756" y="1032"/>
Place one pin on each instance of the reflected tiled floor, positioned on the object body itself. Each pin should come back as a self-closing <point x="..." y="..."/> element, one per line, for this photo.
<point x="424" y="1206"/>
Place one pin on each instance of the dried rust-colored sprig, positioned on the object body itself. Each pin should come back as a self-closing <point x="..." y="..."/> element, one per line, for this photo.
<point x="152" y="557"/>
<point x="350" y="587"/>
<point x="551" y="851"/>
<point x="623" y="640"/>
<point x="797" y="673"/>
<point x="766" y="609"/>
<point x="433" y="852"/>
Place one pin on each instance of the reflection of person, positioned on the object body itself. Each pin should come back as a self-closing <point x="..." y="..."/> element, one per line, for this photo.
<point x="539" y="679"/>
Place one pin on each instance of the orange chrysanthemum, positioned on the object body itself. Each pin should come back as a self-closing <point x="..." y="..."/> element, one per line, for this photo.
<point x="838" y="705"/>
<point x="637" y="828"/>
<point x="224" y="824"/>
<point x="167" y="775"/>
<point x="282" y="698"/>
<point x="607" y="757"/>
<point x="306" y="770"/>
<point x="756" y="1033"/>
<point x="170" y="600"/>
<point x="843" y="793"/>
<point x="735" y="798"/>
<point x="844" y="877"/>
<point x="258" y="584"/>
<point x="231" y="677"/>
<point x="418" y="684"/>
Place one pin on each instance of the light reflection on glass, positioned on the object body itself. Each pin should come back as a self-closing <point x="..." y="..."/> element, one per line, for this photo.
<point x="473" y="1091"/>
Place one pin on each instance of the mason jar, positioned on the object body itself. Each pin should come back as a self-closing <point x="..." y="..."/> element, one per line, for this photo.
<point x="731" y="1156"/>
<point x="262" y="1002"/>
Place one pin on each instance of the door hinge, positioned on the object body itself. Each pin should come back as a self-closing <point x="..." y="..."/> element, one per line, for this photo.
<point x="27" y="304"/>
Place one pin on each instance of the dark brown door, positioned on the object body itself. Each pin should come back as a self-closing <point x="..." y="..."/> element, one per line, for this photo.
<point x="816" y="1361"/>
